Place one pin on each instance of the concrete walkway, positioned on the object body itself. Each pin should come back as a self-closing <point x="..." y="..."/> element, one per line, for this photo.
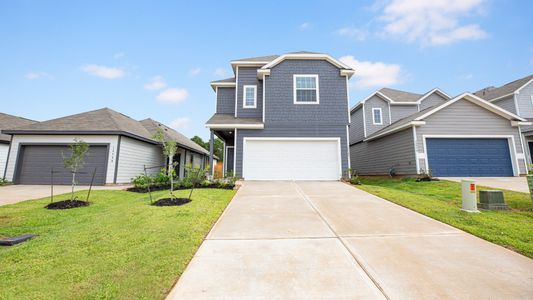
<point x="317" y="240"/>
<point x="517" y="184"/>
<point x="16" y="193"/>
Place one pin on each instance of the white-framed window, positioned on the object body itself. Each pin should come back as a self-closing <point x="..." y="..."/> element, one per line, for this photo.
<point x="306" y="89"/>
<point x="249" y="96"/>
<point x="377" y="117"/>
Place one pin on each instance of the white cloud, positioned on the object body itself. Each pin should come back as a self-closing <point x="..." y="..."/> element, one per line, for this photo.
<point x="220" y="72"/>
<point x="435" y="22"/>
<point x="373" y="74"/>
<point x="304" y="26"/>
<point x="173" y="95"/>
<point x="351" y="32"/>
<point x="32" y="75"/>
<point x="195" y="71"/>
<point x="119" y="55"/>
<point x="180" y="123"/>
<point x="156" y="83"/>
<point x="103" y="71"/>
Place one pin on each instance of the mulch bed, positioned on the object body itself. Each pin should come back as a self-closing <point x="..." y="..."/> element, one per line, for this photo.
<point x="67" y="204"/>
<point x="163" y="187"/>
<point x="171" y="202"/>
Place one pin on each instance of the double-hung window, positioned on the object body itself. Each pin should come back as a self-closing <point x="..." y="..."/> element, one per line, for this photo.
<point x="377" y="116"/>
<point x="306" y="89"/>
<point x="249" y="96"/>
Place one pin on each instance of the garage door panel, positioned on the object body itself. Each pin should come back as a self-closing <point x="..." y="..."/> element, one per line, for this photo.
<point x="36" y="162"/>
<point x="475" y="157"/>
<point x="291" y="160"/>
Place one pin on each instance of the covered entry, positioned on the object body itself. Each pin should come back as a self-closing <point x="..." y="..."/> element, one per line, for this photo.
<point x="35" y="163"/>
<point x="469" y="157"/>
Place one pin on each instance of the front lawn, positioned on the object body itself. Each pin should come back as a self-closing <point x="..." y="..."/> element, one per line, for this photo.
<point x="441" y="200"/>
<point x="119" y="247"/>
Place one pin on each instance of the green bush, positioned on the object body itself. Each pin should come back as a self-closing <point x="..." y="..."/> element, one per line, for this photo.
<point x="3" y="181"/>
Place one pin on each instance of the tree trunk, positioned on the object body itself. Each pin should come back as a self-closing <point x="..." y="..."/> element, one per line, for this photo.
<point x="171" y="174"/>
<point x="73" y="184"/>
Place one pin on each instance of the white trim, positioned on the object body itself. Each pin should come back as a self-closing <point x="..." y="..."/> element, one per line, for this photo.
<point x="515" y="99"/>
<point x="236" y="89"/>
<point x="264" y="78"/>
<point x="390" y="115"/>
<point x="523" y="149"/>
<point x="364" y="120"/>
<point x="240" y="126"/>
<point x="337" y="139"/>
<point x="417" y="162"/>
<point x="531" y="100"/>
<point x="396" y="129"/>
<point x="476" y="100"/>
<point x="348" y="101"/>
<point x="523" y="86"/>
<point x="309" y="56"/>
<point x="435" y="90"/>
<point x="222" y="84"/>
<point x="348" y="147"/>
<point x="244" y="87"/>
<point x="510" y="141"/>
<point x="235" y="153"/>
<point x="315" y="76"/>
<point x="216" y="99"/>
<point x="374" y="116"/>
<point x="518" y="123"/>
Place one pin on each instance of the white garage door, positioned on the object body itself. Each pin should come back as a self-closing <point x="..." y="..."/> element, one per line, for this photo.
<point x="291" y="159"/>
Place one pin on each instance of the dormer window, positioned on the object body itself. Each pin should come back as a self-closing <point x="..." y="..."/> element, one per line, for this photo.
<point x="306" y="89"/>
<point x="377" y="116"/>
<point x="249" y="96"/>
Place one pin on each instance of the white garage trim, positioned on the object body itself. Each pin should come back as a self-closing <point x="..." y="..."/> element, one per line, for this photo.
<point x="510" y="141"/>
<point x="335" y="139"/>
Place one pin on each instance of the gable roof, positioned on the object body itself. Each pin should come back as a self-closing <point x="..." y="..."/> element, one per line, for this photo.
<point x="9" y="122"/>
<point x="263" y="59"/>
<point x="419" y="117"/>
<point x="492" y="93"/>
<point x="400" y="96"/>
<point x="228" y="82"/>
<point x="152" y="126"/>
<point x="345" y="69"/>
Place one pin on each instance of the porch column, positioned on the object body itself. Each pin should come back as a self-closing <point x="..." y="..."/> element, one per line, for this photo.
<point x="211" y="150"/>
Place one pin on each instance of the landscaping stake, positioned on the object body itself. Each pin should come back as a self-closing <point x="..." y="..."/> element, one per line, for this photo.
<point x="91" y="186"/>
<point x="149" y="192"/>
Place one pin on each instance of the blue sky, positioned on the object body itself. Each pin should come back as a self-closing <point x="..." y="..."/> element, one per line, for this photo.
<point x="156" y="59"/>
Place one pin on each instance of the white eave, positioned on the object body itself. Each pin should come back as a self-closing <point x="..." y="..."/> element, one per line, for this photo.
<point x="345" y="70"/>
<point x="396" y="129"/>
<point x="214" y="85"/>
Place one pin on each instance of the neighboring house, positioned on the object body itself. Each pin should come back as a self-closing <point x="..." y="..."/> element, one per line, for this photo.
<point x="119" y="149"/>
<point x="6" y="122"/>
<point x="463" y="136"/>
<point x="284" y="117"/>
<point x="516" y="97"/>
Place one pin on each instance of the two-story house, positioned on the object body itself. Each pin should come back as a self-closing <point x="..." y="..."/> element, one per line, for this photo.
<point x="406" y="133"/>
<point x="284" y="117"/>
<point x="516" y="97"/>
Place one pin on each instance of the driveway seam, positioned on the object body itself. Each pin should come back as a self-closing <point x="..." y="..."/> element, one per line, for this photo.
<point x="274" y="239"/>
<point x="356" y="259"/>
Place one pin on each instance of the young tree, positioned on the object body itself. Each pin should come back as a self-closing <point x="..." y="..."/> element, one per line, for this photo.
<point x="218" y="145"/>
<point x="170" y="148"/>
<point x="76" y="160"/>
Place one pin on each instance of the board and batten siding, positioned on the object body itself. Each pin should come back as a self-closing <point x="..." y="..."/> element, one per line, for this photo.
<point x="464" y="118"/>
<point x="432" y="100"/>
<point x="376" y="102"/>
<point x="357" y="130"/>
<point x="377" y="157"/>
<point x="248" y="76"/>
<point x="524" y="101"/>
<point x="134" y="155"/>
<point x="399" y="112"/>
<point x="225" y="100"/>
<point x="506" y="103"/>
<point x="17" y="140"/>
<point x="4" y="149"/>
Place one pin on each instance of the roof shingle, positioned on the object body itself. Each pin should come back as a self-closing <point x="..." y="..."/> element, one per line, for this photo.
<point x="506" y="89"/>
<point x="10" y="122"/>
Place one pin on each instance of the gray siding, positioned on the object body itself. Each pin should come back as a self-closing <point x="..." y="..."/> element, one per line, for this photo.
<point x="311" y="131"/>
<point x="506" y="103"/>
<point x="357" y="131"/>
<point x="523" y="98"/>
<point x="376" y="102"/>
<point x="226" y="100"/>
<point x="432" y="100"/>
<point x="401" y="111"/>
<point x="248" y="76"/>
<point x="465" y="118"/>
<point x="280" y="109"/>
<point x="378" y="156"/>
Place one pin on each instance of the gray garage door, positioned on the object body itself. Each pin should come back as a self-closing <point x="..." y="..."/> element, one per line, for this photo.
<point x="35" y="163"/>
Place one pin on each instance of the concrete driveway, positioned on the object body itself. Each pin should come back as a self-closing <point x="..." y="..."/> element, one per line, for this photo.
<point x="16" y="193"/>
<point x="517" y="184"/>
<point x="318" y="240"/>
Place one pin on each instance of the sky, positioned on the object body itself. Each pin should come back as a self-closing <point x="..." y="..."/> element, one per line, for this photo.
<point x="156" y="58"/>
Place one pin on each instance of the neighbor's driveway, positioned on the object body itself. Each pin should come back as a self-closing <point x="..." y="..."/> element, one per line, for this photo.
<point x="16" y="193"/>
<point x="517" y="184"/>
<point x="286" y="240"/>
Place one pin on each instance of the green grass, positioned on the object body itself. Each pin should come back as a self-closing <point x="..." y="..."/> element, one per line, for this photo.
<point x="119" y="247"/>
<point x="441" y="200"/>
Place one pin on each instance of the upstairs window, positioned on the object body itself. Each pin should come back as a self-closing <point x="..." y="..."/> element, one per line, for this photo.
<point x="306" y="89"/>
<point x="376" y="116"/>
<point x="249" y="96"/>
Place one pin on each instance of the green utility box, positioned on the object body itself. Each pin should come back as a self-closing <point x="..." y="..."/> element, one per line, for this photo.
<point x="492" y="200"/>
